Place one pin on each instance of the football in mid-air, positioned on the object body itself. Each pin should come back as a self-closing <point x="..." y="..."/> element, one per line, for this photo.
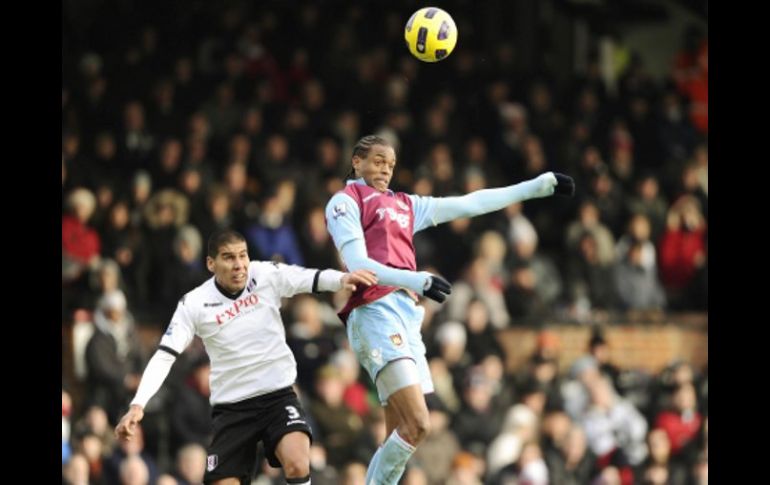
<point x="430" y="34"/>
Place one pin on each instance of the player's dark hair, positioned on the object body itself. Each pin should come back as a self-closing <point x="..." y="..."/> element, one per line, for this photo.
<point x="221" y="237"/>
<point x="362" y="147"/>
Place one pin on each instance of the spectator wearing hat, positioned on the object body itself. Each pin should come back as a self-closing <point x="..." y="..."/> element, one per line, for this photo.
<point x="114" y="358"/>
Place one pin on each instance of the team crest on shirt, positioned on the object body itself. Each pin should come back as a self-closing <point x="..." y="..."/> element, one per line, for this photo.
<point x="211" y="462"/>
<point x="397" y="340"/>
<point x="340" y="210"/>
<point x="251" y="285"/>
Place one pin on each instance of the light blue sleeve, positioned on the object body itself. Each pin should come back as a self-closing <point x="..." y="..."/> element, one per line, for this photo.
<point x="490" y="200"/>
<point x="355" y="257"/>
<point x="423" y="212"/>
<point x="343" y="220"/>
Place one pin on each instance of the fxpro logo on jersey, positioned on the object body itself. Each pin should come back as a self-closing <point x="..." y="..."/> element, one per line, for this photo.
<point x="402" y="219"/>
<point x="239" y="307"/>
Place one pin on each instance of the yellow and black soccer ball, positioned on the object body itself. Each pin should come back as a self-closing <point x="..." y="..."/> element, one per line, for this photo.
<point x="431" y="34"/>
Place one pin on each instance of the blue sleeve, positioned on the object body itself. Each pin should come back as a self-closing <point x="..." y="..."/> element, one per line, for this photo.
<point x="489" y="200"/>
<point x="424" y="208"/>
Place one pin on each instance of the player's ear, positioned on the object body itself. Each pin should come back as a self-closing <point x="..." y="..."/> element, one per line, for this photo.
<point x="355" y="165"/>
<point x="210" y="263"/>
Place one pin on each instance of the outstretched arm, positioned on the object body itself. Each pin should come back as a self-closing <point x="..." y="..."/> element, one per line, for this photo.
<point x="156" y="372"/>
<point x="490" y="200"/>
<point x="177" y="337"/>
<point x="292" y="279"/>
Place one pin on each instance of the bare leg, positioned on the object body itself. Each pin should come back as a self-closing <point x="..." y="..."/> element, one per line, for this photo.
<point x="407" y="412"/>
<point x="293" y="451"/>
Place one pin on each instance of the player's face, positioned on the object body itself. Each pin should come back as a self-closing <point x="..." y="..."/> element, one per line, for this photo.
<point x="377" y="168"/>
<point x="231" y="266"/>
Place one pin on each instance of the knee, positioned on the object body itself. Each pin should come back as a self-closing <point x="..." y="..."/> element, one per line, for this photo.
<point x="417" y="428"/>
<point x="296" y="467"/>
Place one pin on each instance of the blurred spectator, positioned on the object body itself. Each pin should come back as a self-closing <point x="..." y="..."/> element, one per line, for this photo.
<point x="614" y="428"/>
<point x="80" y="243"/>
<point x="190" y="417"/>
<point x="683" y="421"/>
<point x="114" y="356"/>
<point x="637" y="283"/>
<point x="482" y="341"/>
<point x="188" y="270"/>
<point x="130" y="456"/>
<point x="76" y="471"/>
<point x="479" y="283"/>
<point x="572" y="463"/>
<point x="95" y="422"/>
<point x="590" y="283"/>
<point x="315" y="242"/>
<point x="337" y="425"/>
<point x="478" y="422"/>
<point x="356" y="395"/>
<point x="648" y="201"/>
<point x="682" y="250"/>
<point x="191" y="464"/>
<point x="588" y="221"/>
<point x="272" y="236"/>
<point x="311" y="343"/>
<point x="599" y="349"/>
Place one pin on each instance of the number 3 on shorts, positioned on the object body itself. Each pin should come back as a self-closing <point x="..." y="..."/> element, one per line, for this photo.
<point x="293" y="413"/>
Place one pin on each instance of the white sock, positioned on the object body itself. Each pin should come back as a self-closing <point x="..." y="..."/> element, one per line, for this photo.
<point x="394" y="455"/>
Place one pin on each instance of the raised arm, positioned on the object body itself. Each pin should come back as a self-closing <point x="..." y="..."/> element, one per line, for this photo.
<point x="489" y="200"/>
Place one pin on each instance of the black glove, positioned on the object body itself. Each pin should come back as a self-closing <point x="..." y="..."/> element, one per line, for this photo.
<point x="565" y="185"/>
<point x="437" y="288"/>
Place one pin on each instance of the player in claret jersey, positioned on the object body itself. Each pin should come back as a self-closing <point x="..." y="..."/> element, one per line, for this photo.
<point x="236" y="314"/>
<point x="372" y="228"/>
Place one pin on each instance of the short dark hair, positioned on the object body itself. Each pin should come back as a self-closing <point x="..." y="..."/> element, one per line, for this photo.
<point x="362" y="147"/>
<point x="221" y="237"/>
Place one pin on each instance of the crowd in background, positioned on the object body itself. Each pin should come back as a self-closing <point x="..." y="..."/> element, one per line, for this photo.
<point x="199" y="117"/>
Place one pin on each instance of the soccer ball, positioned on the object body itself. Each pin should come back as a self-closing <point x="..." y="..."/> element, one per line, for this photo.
<point x="430" y="34"/>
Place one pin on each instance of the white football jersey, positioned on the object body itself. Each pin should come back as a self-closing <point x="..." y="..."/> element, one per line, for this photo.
<point x="244" y="337"/>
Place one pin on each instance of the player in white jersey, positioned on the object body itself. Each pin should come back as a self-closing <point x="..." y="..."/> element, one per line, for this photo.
<point x="236" y="314"/>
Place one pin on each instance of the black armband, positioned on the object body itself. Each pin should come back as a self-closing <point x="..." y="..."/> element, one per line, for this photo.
<point x="315" y="281"/>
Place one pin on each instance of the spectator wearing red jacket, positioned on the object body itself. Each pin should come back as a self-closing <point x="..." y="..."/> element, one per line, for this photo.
<point x="683" y="421"/>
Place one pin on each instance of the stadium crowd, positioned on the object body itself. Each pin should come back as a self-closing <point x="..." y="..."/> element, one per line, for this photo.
<point x="189" y="117"/>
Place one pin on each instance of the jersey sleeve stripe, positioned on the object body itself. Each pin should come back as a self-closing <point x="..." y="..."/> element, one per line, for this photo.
<point x="315" y="281"/>
<point x="169" y="350"/>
